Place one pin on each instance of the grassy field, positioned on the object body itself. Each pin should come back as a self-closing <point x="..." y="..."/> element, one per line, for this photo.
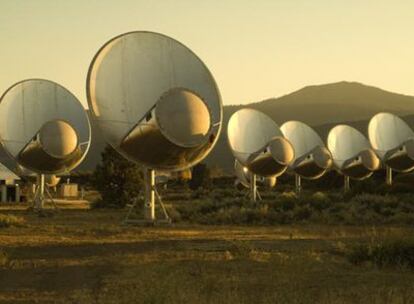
<point x="87" y="256"/>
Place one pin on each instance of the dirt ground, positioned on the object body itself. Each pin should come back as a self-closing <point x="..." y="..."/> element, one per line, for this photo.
<point x="88" y="256"/>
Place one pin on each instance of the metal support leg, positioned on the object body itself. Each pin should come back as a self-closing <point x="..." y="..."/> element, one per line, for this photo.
<point x="167" y="218"/>
<point x="388" y="178"/>
<point x="347" y="185"/>
<point x="39" y="198"/>
<point x="253" y="187"/>
<point x="34" y="200"/>
<point x="149" y="204"/>
<point x="51" y="198"/>
<point x="298" y="184"/>
<point x="150" y="197"/>
<point x="258" y="194"/>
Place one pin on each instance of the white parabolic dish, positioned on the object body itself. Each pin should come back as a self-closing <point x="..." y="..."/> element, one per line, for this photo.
<point x="345" y="142"/>
<point x="351" y="151"/>
<point x="258" y="144"/>
<point x="43" y="126"/>
<point x="249" y="131"/>
<point x="312" y="158"/>
<point x="393" y="141"/>
<point x="302" y="137"/>
<point x="154" y="100"/>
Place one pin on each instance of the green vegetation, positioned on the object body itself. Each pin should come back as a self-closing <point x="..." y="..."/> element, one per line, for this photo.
<point x="118" y="180"/>
<point x="384" y="253"/>
<point x="228" y="206"/>
<point x="4" y="259"/>
<point x="10" y="220"/>
<point x="215" y="201"/>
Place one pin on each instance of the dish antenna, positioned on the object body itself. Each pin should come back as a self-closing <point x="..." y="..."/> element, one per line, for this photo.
<point x="258" y="144"/>
<point x="393" y="141"/>
<point x="243" y="176"/>
<point x="156" y="103"/>
<point x="351" y="153"/>
<point x="44" y="128"/>
<point x="312" y="159"/>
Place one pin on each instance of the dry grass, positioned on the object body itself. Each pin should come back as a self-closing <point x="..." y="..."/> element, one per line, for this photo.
<point x="88" y="257"/>
<point x="7" y="220"/>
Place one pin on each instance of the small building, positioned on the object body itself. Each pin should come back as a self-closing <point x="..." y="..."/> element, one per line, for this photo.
<point x="68" y="190"/>
<point x="9" y="186"/>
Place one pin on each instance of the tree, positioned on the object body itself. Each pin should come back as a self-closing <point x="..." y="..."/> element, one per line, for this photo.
<point x="200" y="177"/>
<point x="118" y="180"/>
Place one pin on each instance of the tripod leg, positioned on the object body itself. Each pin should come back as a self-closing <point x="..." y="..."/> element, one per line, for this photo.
<point x="33" y="204"/>
<point x="161" y="204"/>
<point x="132" y="208"/>
<point x="258" y="195"/>
<point x="149" y="206"/>
<point x="253" y="187"/>
<point x="51" y="198"/>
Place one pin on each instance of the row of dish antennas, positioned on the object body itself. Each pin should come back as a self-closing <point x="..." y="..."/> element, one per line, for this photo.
<point x="154" y="100"/>
<point x="264" y="151"/>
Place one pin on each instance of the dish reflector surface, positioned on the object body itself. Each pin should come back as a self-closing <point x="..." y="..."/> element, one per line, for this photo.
<point x="43" y="126"/>
<point x="351" y="152"/>
<point x="387" y="132"/>
<point x="345" y="142"/>
<point x="393" y="141"/>
<point x="312" y="158"/>
<point x="303" y="138"/>
<point x="249" y="131"/>
<point x="150" y="94"/>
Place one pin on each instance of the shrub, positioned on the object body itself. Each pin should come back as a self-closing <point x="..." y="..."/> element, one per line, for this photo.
<point x="10" y="220"/>
<point x="200" y="177"/>
<point x="117" y="179"/>
<point x="302" y="213"/>
<point x="286" y="201"/>
<point x="320" y="201"/>
<point x="4" y="258"/>
<point x="388" y="253"/>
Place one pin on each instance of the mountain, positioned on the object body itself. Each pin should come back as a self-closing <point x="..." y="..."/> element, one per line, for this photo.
<point x="321" y="106"/>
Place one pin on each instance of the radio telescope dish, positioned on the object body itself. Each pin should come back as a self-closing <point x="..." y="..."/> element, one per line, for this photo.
<point x="243" y="176"/>
<point x="393" y="141"/>
<point x="312" y="159"/>
<point x="351" y="153"/>
<point x="258" y="144"/>
<point x="44" y="128"/>
<point x="155" y="102"/>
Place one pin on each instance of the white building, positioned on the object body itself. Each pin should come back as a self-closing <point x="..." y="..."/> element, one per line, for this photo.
<point x="9" y="185"/>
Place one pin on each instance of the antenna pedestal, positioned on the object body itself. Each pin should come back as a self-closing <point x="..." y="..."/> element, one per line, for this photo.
<point x="347" y="185"/>
<point x="150" y="197"/>
<point x="149" y="202"/>
<point x="298" y="184"/>
<point x="253" y="187"/>
<point x="41" y="194"/>
<point x="388" y="178"/>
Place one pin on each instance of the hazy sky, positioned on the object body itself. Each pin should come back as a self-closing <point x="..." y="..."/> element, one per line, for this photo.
<point x="255" y="49"/>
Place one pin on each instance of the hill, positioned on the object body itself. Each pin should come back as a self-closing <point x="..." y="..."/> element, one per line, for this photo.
<point x="321" y="106"/>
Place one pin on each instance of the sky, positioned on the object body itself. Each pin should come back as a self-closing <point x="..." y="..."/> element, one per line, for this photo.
<point x="254" y="49"/>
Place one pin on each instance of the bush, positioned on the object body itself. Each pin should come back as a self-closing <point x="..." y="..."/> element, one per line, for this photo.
<point x="117" y="179"/>
<point x="320" y="201"/>
<point x="302" y="213"/>
<point x="229" y="206"/>
<point x="200" y="177"/>
<point x="4" y="259"/>
<point x="388" y="253"/>
<point x="10" y="220"/>
<point x="286" y="201"/>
